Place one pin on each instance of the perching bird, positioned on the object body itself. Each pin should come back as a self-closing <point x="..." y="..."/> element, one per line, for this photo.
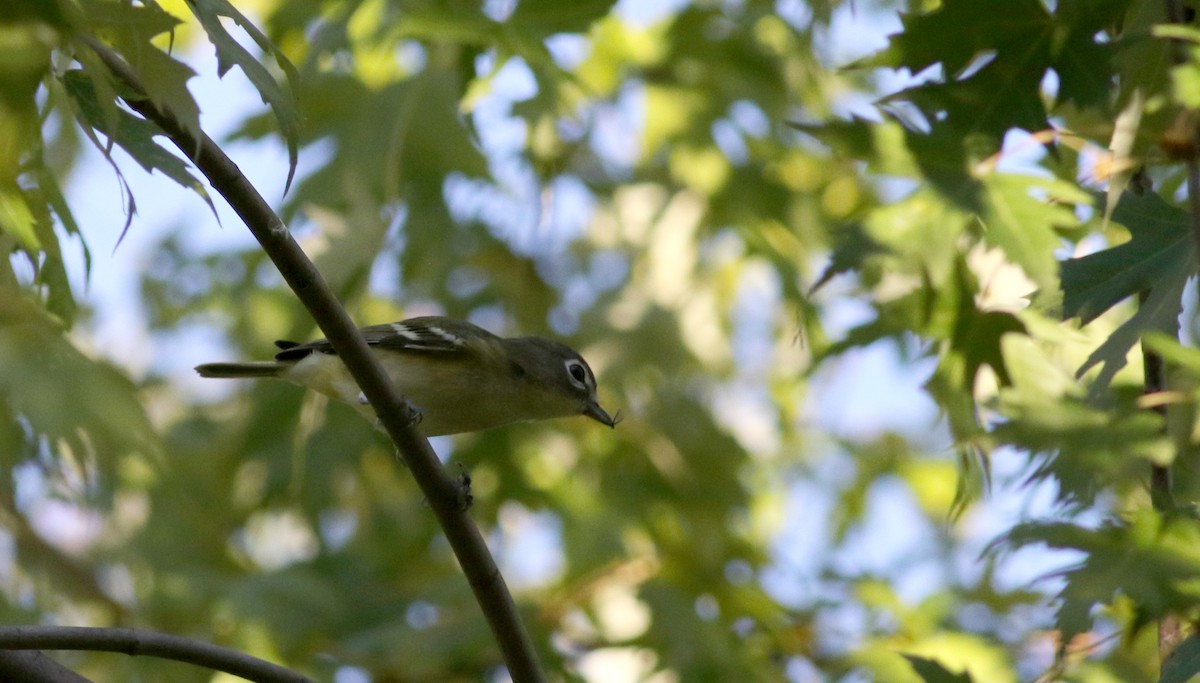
<point x="458" y="376"/>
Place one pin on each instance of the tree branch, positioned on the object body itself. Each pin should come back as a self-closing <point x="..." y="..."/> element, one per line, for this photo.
<point x="137" y="642"/>
<point x="35" y="667"/>
<point x="395" y="416"/>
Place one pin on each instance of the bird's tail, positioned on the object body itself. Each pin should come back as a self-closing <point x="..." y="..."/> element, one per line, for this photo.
<point x="265" y="368"/>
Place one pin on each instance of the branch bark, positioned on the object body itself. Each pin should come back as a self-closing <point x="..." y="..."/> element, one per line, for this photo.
<point x="35" y="667"/>
<point x="394" y="415"/>
<point x="137" y="642"/>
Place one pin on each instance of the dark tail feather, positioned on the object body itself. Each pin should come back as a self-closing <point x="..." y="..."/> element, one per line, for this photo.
<point x="266" y="368"/>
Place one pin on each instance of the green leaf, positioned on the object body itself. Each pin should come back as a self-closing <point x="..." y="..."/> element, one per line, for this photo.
<point x="1008" y="42"/>
<point x="1185" y="76"/>
<point x="230" y="53"/>
<point x="130" y="28"/>
<point x="933" y="672"/>
<point x="944" y="157"/>
<point x="1160" y="243"/>
<point x="1159" y="312"/>
<point x="51" y="269"/>
<point x="41" y="379"/>
<point x="1024" y="225"/>
<point x="1183" y="662"/>
<point x="1155" y="263"/>
<point x="1142" y="67"/>
<point x="1152" y="559"/>
<point x="16" y="218"/>
<point x="48" y="186"/>
<point x="958" y="31"/>
<point x="852" y="247"/>
<point x="546" y="17"/>
<point x="134" y="135"/>
<point x="976" y="335"/>
<point x="999" y="96"/>
<point x="57" y="13"/>
<point x="1084" y="64"/>
<point x="1085" y="449"/>
<point x="141" y="21"/>
<point x="993" y="58"/>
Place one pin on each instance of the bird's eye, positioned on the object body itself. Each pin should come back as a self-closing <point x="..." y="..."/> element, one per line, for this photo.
<point x="577" y="372"/>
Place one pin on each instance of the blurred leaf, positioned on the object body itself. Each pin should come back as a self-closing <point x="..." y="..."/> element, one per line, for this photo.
<point x="932" y="672"/>
<point x="16" y="218"/>
<point x="545" y="17"/>
<point x="1164" y="550"/>
<point x="52" y="271"/>
<point x="1024" y="225"/>
<point x="851" y="249"/>
<point x="977" y="335"/>
<point x="41" y="378"/>
<point x="56" y="13"/>
<point x="1183" y="662"/>
<point x="48" y="186"/>
<point x="1086" y="448"/>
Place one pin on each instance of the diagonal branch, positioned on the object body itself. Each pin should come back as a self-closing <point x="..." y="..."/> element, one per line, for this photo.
<point x="394" y="415"/>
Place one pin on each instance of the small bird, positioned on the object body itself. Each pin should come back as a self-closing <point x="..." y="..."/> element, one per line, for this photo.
<point x="458" y="376"/>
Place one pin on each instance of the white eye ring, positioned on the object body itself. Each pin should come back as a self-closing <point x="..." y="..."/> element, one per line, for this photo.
<point x="578" y="373"/>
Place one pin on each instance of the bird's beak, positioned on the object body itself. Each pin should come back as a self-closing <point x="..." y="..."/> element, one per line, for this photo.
<point x="594" y="411"/>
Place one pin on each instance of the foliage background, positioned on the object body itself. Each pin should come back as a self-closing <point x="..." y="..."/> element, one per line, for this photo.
<point x="828" y="297"/>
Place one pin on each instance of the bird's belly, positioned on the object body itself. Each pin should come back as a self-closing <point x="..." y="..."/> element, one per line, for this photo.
<point x="449" y="402"/>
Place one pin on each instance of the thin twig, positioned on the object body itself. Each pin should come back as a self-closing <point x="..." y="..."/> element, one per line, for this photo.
<point x="301" y="275"/>
<point x="137" y="642"/>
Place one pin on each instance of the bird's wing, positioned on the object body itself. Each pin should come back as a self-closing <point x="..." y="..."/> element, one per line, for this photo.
<point x="418" y="335"/>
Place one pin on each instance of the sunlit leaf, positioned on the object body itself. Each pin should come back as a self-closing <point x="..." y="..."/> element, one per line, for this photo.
<point x="16" y="218"/>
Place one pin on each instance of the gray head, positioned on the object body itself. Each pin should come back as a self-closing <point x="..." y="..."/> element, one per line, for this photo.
<point x="558" y="368"/>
